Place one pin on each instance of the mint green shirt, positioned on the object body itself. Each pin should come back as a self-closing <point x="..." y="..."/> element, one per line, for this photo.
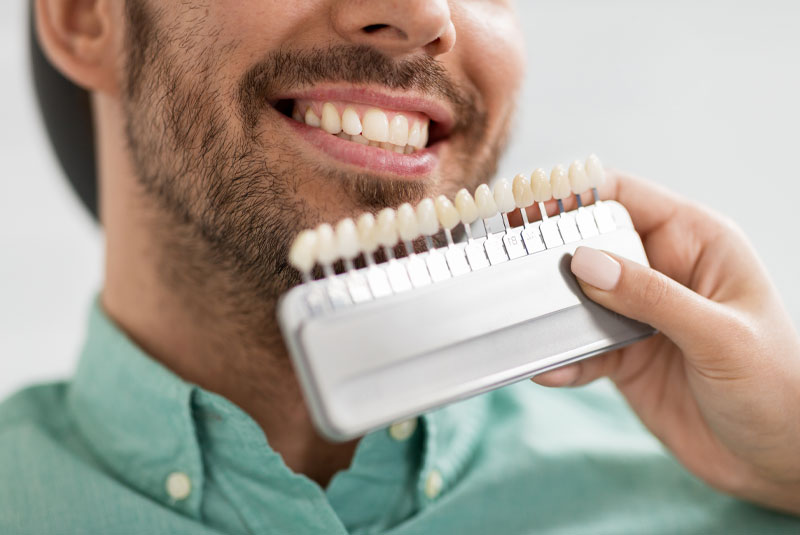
<point x="128" y="447"/>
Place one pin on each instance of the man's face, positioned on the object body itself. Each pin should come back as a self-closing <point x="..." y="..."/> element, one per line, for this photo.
<point x="229" y="104"/>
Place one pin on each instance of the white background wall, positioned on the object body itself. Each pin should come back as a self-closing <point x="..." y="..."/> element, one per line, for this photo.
<point x="702" y="96"/>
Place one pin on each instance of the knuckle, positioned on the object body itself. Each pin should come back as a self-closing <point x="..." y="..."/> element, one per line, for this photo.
<point x="654" y="290"/>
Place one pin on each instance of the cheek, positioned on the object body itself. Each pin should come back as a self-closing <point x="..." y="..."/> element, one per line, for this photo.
<point x="491" y="50"/>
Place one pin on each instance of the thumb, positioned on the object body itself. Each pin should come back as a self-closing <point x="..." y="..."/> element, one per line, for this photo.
<point x="644" y="294"/>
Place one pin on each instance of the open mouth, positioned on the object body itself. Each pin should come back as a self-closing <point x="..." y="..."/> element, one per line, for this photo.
<point x="389" y="134"/>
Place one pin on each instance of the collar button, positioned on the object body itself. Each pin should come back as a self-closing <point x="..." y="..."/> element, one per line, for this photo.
<point x="403" y="430"/>
<point x="179" y="486"/>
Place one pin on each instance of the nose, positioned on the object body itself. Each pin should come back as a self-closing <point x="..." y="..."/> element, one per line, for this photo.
<point x="396" y="27"/>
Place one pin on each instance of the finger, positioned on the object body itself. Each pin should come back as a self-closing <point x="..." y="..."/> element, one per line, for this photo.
<point x="582" y="372"/>
<point x="644" y="294"/>
<point x="649" y="205"/>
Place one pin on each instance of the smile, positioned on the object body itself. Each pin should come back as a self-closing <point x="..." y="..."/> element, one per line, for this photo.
<point x="385" y="134"/>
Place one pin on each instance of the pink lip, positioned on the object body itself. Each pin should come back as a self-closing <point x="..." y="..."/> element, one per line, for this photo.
<point x="405" y="166"/>
<point x="380" y="98"/>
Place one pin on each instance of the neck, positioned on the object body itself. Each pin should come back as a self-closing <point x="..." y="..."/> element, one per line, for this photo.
<point x="196" y="319"/>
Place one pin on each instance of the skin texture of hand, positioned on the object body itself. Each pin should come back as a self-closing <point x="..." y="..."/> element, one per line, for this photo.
<point x="720" y="384"/>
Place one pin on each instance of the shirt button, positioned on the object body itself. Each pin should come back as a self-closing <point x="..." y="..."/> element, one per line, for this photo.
<point x="179" y="486"/>
<point x="403" y="430"/>
<point x="433" y="484"/>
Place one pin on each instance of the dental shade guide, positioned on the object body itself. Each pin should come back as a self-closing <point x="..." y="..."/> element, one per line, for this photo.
<point x="424" y="329"/>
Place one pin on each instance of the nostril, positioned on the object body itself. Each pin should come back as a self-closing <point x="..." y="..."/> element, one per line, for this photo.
<point x="372" y="28"/>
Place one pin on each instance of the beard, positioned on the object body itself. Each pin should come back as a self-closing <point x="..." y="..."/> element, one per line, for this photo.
<point x="227" y="198"/>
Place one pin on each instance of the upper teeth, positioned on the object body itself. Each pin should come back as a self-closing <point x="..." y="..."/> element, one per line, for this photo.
<point x="399" y="132"/>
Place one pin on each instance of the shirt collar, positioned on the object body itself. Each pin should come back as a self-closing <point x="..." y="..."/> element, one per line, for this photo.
<point x="144" y="423"/>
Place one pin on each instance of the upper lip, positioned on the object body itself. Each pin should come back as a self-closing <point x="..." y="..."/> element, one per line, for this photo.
<point x="379" y="97"/>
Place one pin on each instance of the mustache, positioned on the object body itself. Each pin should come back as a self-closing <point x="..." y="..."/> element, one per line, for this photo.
<point x="285" y="70"/>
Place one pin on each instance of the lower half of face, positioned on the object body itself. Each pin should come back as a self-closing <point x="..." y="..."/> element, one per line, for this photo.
<point x="247" y="152"/>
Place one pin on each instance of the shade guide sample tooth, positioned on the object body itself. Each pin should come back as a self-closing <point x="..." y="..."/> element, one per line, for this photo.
<point x="331" y="122"/>
<point x="347" y="239"/>
<point x="578" y="180"/>
<point x="540" y="186"/>
<point x="367" y="236"/>
<point x="426" y="217"/>
<point x="521" y="188"/>
<point x="407" y="226"/>
<point x="303" y="252"/>
<point x="465" y="204"/>
<point x="386" y="227"/>
<point x="398" y="130"/>
<point x="375" y="125"/>
<point x="351" y="123"/>
<point x="484" y="200"/>
<point x="559" y="182"/>
<point x="311" y="118"/>
<point x="446" y="212"/>
<point x="327" y="250"/>
<point x="595" y="171"/>
<point x="503" y="196"/>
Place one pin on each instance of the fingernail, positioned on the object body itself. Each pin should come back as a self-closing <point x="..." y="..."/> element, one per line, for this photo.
<point x="596" y="268"/>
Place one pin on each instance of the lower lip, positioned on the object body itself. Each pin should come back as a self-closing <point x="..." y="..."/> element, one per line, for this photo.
<point x="380" y="161"/>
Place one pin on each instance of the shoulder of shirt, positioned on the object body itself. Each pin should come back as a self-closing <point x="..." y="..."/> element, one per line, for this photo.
<point x="42" y="405"/>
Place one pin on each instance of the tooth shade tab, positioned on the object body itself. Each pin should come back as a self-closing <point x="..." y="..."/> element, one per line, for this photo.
<point x="595" y="171"/>
<point x="426" y="217"/>
<point x="327" y="250"/>
<point x="559" y="182"/>
<point x="540" y="186"/>
<point x="521" y="188"/>
<point x="407" y="226"/>
<point x="386" y="227"/>
<point x="446" y="212"/>
<point x="578" y="180"/>
<point x="351" y="122"/>
<point x="465" y="204"/>
<point x="504" y="197"/>
<point x="484" y="200"/>
<point x="303" y="252"/>
<point x="347" y="239"/>
<point x="331" y="121"/>
<point x="367" y="236"/>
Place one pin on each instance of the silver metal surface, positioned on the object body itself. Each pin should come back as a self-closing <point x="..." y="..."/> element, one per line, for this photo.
<point x="437" y="266"/>
<point x="495" y="250"/>
<point x="397" y="275"/>
<point x="456" y="260"/>
<point x="378" y="281"/>
<point x="532" y="239"/>
<point x="550" y="233"/>
<point x="568" y="228"/>
<point x="513" y="243"/>
<point x="417" y="271"/>
<point x="391" y="358"/>
<point x="476" y="255"/>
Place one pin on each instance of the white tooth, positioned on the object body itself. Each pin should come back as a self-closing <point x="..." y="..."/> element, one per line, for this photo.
<point x="351" y="124"/>
<point x="408" y="149"/>
<point x="407" y="225"/>
<point x="595" y="171"/>
<point x="347" y="238"/>
<point x="375" y="125"/>
<point x="342" y="135"/>
<point x="360" y="139"/>
<point x="423" y="136"/>
<point x="386" y="227"/>
<point x="559" y="182"/>
<point x="296" y="115"/>
<point x="413" y="135"/>
<point x="331" y="122"/>
<point x="311" y="118"/>
<point x="327" y="250"/>
<point x="503" y="196"/>
<point x="398" y="130"/>
<point x="465" y="205"/>
<point x="540" y="186"/>
<point x="521" y="187"/>
<point x="366" y="232"/>
<point x="303" y="253"/>
<point x="446" y="212"/>
<point x="398" y="149"/>
<point x="426" y="217"/>
<point x="484" y="200"/>
<point x="578" y="180"/>
<point x="374" y="143"/>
